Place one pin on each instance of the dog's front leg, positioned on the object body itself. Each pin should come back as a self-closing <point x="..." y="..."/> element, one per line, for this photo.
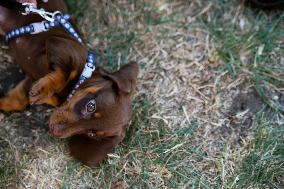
<point x="44" y="90"/>
<point x="17" y="98"/>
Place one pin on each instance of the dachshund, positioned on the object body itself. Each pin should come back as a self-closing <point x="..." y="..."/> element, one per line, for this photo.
<point x="52" y="62"/>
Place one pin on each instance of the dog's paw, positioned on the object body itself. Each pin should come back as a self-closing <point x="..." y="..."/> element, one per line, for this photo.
<point x="40" y="92"/>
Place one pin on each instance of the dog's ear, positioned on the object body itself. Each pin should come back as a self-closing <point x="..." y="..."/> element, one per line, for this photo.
<point x="125" y="78"/>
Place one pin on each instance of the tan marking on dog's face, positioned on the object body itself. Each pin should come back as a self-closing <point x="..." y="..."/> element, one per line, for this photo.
<point x="112" y="112"/>
<point x="97" y="115"/>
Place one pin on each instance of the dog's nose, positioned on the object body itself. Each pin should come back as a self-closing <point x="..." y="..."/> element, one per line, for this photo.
<point x="57" y="129"/>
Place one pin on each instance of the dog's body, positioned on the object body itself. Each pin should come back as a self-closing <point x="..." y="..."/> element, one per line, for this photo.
<point x="31" y="51"/>
<point x="53" y="62"/>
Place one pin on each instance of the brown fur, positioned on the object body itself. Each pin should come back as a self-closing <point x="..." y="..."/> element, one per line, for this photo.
<point x="53" y="61"/>
<point x="17" y="98"/>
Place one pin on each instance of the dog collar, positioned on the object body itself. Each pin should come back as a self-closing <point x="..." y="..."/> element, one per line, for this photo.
<point x="60" y="20"/>
<point x="87" y="73"/>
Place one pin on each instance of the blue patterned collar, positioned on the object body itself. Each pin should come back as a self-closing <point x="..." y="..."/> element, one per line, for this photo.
<point x="60" y="20"/>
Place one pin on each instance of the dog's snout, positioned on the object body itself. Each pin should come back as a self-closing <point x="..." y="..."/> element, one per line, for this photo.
<point x="56" y="130"/>
<point x="58" y="117"/>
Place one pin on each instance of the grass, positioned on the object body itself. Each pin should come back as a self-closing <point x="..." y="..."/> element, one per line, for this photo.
<point x="7" y="166"/>
<point x="253" y="49"/>
<point x="195" y="57"/>
<point x="262" y="166"/>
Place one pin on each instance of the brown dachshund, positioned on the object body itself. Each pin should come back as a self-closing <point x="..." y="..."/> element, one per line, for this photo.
<point x="53" y="62"/>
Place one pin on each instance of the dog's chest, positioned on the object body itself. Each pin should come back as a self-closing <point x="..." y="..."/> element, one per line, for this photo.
<point x="22" y="49"/>
<point x="29" y="55"/>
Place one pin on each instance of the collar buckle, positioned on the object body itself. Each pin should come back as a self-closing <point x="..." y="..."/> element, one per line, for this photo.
<point x="88" y="71"/>
<point x="39" y="27"/>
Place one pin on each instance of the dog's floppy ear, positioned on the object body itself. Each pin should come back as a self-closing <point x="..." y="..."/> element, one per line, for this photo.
<point x="125" y="78"/>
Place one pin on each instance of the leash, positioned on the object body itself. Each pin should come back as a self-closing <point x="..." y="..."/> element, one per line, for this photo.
<point x="54" y="19"/>
<point x="38" y="27"/>
<point x="30" y="8"/>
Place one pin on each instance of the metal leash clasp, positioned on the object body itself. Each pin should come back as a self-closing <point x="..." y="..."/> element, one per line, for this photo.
<point x="31" y="8"/>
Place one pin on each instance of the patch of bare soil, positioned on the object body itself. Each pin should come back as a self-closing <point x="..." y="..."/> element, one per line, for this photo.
<point x="239" y="117"/>
<point x="250" y="102"/>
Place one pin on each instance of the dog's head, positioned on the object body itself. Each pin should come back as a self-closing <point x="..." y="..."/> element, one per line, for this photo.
<point x="101" y="107"/>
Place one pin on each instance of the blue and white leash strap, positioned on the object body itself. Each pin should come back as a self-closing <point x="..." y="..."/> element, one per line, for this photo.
<point x="59" y="20"/>
<point x="38" y="27"/>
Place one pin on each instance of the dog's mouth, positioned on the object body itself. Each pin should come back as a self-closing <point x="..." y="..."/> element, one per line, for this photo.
<point x="65" y="131"/>
<point x="57" y="130"/>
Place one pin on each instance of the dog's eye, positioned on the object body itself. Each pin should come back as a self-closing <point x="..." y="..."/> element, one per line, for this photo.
<point x="91" y="106"/>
